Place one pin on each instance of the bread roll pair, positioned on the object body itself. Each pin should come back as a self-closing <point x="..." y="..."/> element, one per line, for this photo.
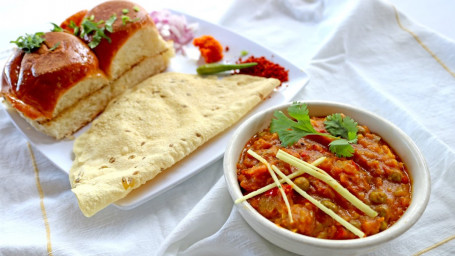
<point x="60" y="90"/>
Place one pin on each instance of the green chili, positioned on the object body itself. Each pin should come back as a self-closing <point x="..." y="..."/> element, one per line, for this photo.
<point x="214" y="68"/>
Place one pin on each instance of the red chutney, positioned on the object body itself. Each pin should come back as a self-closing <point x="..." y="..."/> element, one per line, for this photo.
<point x="374" y="174"/>
<point x="211" y="50"/>
<point x="264" y="68"/>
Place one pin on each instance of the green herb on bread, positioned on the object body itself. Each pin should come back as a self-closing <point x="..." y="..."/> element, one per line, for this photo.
<point x="29" y="43"/>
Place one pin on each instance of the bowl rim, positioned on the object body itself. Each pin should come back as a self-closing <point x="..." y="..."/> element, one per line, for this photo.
<point x="411" y="215"/>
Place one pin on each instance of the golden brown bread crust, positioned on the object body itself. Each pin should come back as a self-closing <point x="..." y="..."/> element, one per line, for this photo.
<point x="58" y="91"/>
<point x="75" y="18"/>
<point x="34" y="82"/>
<point x="138" y="18"/>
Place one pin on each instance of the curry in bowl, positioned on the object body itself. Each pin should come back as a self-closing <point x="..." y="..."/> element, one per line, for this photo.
<point x="338" y="181"/>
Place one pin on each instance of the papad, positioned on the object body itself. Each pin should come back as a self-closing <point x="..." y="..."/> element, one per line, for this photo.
<point x="150" y="127"/>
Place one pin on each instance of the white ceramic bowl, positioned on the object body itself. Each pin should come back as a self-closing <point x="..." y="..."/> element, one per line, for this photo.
<point x="300" y="244"/>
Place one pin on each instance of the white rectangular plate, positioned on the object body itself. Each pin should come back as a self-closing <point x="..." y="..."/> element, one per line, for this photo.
<point x="60" y="152"/>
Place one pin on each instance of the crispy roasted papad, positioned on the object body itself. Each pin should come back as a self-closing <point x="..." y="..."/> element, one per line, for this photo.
<point x="152" y="126"/>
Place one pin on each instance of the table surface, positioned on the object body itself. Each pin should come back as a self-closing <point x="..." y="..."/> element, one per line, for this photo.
<point x="437" y="15"/>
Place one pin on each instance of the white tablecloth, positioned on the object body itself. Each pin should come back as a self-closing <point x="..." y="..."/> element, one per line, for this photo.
<point x="365" y="53"/>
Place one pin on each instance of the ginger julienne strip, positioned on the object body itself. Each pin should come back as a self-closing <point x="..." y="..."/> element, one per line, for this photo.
<point x="272" y="185"/>
<point x="322" y="175"/>
<point x="329" y="212"/>
<point x="275" y="179"/>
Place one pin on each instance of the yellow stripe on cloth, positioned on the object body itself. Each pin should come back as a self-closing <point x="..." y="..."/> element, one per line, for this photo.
<point x="41" y="195"/>
<point x="435" y="245"/>
<point x="415" y="36"/>
<point x="424" y="46"/>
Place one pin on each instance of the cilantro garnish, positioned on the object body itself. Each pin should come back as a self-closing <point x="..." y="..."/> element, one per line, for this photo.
<point x="56" y="28"/>
<point x="74" y="27"/>
<point x="344" y="127"/>
<point x="88" y="26"/>
<point x="125" y="19"/>
<point x="96" y="30"/>
<point x="28" y="43"/>
<point x="110" y="22"/>
<point x="343" y="130"/>
<point x="54" y="47"/>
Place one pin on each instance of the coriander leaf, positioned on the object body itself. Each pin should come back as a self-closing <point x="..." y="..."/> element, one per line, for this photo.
<point x="290" y="131"/>
<point x="73" y="26"/>
<point x="342" y="148"/>
<point x="339" y="126"/>
<point x="89" y="27"/>
<point x="333" y="125"/>
<point x="29" y="43"/>
<point x="125" y="19"/>
<point x="125" y="11"/>
<point x="300" y="113"/>
<point x="55" y="46"/>
<point x="135" y="8"/>
<point x="342" y="130"/>
<point x="110" y="22"/>
<point x="282" y="122"/>
<point x="56" y="28"/>
<point x="344" y="127"/>
<point x="94" y="42"/>
<point x="290" y="137"/>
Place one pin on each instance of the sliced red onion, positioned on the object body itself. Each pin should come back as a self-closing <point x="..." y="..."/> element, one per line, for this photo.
<point x="174" y="27"/>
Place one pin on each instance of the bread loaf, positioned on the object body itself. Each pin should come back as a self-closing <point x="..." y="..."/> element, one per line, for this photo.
<point x="51" y="88"/>
<point x="60" y="90"/>
<point x="136" y="50"/>
<point x="133" y="37"/>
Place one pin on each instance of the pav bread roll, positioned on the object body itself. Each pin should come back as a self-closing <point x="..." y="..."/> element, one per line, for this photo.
<point x="58" y="90"/>
<point x="136" y="50"/>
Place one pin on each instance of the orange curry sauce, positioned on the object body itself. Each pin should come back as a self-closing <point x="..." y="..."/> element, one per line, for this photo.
<point x="374" y="174"/>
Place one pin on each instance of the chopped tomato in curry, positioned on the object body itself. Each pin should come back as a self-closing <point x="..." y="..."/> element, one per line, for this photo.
<point x="374" y="174"/>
